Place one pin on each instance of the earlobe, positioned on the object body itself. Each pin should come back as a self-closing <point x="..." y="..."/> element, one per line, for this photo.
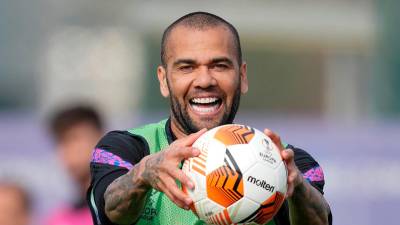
<point x="244" y="84"/>
<point x="162" y="78"/>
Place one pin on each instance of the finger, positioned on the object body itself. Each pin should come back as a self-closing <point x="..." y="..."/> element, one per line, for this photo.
<point x="290" y="181"/>
<point x="175" y="194"/>
<point x="190" y="139"/>
<point x="181" y="196"/>
<point x="165" y="187"/>
<point x="186" y="152"/>
<point x="288" y="156"/>
<point x="275" y="138"/>
<point x="182" y="177"/>
<point x="292" y="176"/>
<point x="175" y="200"/>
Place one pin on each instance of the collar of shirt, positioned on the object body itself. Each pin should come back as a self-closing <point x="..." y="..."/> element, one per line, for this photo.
<point x="170" y="135"/>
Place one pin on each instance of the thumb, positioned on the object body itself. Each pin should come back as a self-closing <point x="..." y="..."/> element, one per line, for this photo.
<point x="275" y="138"/>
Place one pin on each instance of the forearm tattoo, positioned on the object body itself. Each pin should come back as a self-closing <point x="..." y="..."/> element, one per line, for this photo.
<point x="150" y="173"/>
<point x="124" y="199"/>
<point x="308" y="206"/>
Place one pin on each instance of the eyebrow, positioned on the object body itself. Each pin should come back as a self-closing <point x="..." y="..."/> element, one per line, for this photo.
<point x="222" y="59"/>
<point x="213" y="61"/>
<point x="183" y="61"/>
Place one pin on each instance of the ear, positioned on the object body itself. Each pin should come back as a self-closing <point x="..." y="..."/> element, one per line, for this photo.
<point x="244" y="84"/>
<point x="162" y="78"/>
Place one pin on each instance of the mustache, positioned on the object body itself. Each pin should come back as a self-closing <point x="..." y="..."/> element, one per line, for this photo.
<point x="209" y="90"/>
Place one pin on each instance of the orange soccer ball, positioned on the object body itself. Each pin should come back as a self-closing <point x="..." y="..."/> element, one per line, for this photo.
<point x="239" y="176"/>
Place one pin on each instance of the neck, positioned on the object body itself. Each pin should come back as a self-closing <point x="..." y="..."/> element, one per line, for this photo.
<point x="176" y="129"/>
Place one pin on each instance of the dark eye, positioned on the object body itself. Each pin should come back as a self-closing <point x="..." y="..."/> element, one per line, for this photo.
<point x="220" y="66"/>
<point x="186" y="68"/>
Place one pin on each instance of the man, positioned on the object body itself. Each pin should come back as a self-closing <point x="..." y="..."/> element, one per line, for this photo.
<point x="76" y="131"/>
<point x="15" y="204"/>
<point x="134" y="172"/>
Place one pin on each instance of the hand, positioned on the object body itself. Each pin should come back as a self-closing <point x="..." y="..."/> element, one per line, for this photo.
<point x="161" y="169"/>
<point x="294" y="175"/>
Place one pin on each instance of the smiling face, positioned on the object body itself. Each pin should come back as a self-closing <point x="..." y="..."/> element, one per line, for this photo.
<point x="202" y="78"/>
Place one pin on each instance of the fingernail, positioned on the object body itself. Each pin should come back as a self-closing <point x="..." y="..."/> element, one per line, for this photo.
<point x="196" y="151"/>
<point x="190" y="185"/>
<point x="186" y="207"/>
<point x="188" y="201"/>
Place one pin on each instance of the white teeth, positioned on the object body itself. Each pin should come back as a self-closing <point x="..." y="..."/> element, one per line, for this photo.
<point x="204" y="109"/>
<point x="205" y="100"/>
<point x="203" y="106"/>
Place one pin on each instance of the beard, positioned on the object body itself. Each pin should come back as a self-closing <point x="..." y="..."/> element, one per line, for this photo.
<point x="189" y="126"/>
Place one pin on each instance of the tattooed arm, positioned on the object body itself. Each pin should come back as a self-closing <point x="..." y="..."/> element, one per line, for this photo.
<point x="307" y="205"/>
<point x="125" y="197"/>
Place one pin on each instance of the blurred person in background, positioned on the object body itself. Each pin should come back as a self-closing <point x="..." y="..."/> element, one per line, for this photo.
<point x="15" y="204"/>
<point x="76" y="130"/>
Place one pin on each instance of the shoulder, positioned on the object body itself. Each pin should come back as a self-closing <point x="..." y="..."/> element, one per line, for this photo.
<point x="121" y="144"/>
<point x="309" y="167"/>
<point x="119" y="139"/>
<point x="302" y="158"/>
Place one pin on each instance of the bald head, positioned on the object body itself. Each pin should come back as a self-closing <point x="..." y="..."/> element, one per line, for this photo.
<point x="200" y="21"/>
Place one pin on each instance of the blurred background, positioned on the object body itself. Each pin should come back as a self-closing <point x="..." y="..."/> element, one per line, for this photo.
<point x="325" y="75"/>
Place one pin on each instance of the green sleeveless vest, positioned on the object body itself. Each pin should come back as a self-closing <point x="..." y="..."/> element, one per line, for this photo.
<point x="159" y="209"/>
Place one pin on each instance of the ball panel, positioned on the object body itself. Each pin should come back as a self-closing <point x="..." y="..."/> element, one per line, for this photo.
<point x="239" y="211"/>
<point x="269" y="208"/>
<point x="198" y="164"/>
<point x="224" y="186"/>
<point x="234" y="134"/>
<point x="199" y="191"/>
<point x="265" y="151"/>
<point x="202" y="142"/>
<point x="207" y="209"/>
<point x="221" y="218"/>
<point x="244" y="158"/>
<point x="259" y="182"/>
<point x="215" y="156"/>
<point x="281" y="178"/>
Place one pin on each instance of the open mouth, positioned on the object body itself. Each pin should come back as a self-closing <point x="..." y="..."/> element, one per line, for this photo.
<point x="206" y="105"/>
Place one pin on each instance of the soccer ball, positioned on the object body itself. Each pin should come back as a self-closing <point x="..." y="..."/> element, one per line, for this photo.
<point x="239" y="176"/>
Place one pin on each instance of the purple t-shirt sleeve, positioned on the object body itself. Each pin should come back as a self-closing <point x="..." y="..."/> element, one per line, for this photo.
<point x="105" y="157"/>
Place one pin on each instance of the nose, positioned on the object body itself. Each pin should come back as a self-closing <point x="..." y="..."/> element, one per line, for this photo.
<point x="204" y="78"/>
